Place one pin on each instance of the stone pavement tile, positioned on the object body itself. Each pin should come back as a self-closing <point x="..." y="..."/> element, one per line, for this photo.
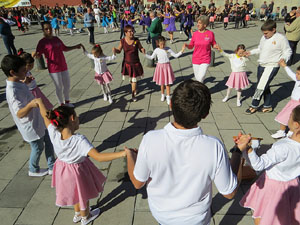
<point x="141" y="204"/>
<point x="41" y="209"/>
<point x="268" y="120"/>
<point x="208" y="119"/>
<point x="64" y="216"/>
<point x="244" y="118"/>
<point x="220" y="107"/>
<point x="258" y="130"/>
<point x="100" y="105"/>
<point x="155" y="125"/>
<point x="117" y="170"/>
<point x="116" y="204"/>
<point x="210" y="129"/>
<point x="233" y="219"/>
<point x="9" y="215"/>
<point x="3" y="184"/>
<point x="224" y="206"/>
<point x="131" y="137"/>
<point x="12" y="162"/>
<point x="20" y="190"/>
<point x="227" y="137"/>
<point x="109" y="131"/>
<point x="136" y="118"/>
<point x="89" y="132"/>
<point x="226" y="121"/>
<point x="115" y="115"/>
<point x="142" y="217"/>
<point x="91" y="119"/>
<point x="159" y="114"/>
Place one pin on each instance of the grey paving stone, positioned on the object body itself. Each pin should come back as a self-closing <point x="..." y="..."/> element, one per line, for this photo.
<point x="109" y="131"/>
<point x="9" y="215"/>
<point x="3" y="184"/>
<point x="41" y="208"/>
<point x="142" y="217"/>
<point x="233" y="219"/>
<point x="226" y="121"/>
<point x="64" y="216"/>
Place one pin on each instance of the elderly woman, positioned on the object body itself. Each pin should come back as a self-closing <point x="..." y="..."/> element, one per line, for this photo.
<point x="202" y="40"/>
<point x="131" y="65"/>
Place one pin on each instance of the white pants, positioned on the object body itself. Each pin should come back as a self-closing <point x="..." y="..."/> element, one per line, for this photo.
<point x="200" y="71"/>
<point x="97" y="18"/>
<point x="62" y="84"/>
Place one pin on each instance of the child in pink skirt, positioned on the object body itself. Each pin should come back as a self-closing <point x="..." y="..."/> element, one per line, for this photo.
<point x="163" y="74"/>
<point x="238" y="78"/>
<point x="75" y="177"/>
<point x="285" y="113"/>
<point x="274" y="197"/>
<point x="102" y="75"/>
<point x="30" y="81"/>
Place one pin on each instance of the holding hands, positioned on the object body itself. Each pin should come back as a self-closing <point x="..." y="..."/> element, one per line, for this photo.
<point x="282" y="63"/>
<point x="243" y="141"/>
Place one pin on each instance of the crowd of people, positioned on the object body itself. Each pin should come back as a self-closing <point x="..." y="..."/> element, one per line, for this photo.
<point x="179" y="181"/>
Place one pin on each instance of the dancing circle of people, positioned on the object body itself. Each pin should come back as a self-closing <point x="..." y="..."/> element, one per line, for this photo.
<point x="179" y="181"/>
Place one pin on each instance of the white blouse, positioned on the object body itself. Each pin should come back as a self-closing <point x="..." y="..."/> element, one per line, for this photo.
<point x="238" y="64"/>
<point x="100" y="63"/>
<point x="163" y="55"/>
<point x="296" y="90"/>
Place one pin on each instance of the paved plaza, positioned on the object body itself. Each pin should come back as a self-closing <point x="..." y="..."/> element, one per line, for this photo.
<point x="27" y="200"/>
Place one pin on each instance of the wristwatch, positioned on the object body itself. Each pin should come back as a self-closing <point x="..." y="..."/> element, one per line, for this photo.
<point x="235" y="149"/>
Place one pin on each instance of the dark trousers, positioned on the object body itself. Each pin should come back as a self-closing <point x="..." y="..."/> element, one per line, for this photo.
<point x="267" y="92"/>
<point x="154" y="39"/>
<point x="225" y="25"/>
<point x="181" y="26"/>
<point x="293" y="46"/>
<point x="187" y="31"/>
<point x="122" y="33"/>
<point x="92" y="38"/>
<point x="9" y="44"/>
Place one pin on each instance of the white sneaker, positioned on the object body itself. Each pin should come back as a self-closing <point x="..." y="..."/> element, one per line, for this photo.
<point x="50" y="172"/>
<point x="181" y="32"/>
<point x="238" y="103"/>
<point x="225" y="99"/>
<point x="290" y="133"/>
<point x="77" y="218"/>
<point x="70" y="105"/>
<point x="93" y="215"/>
<point x="162" y="97"/>
<point x="104" y="97"/>
<point x="109" y="99"/>
<point x="168" y="99"/>
<point x="41" y="173"/>
<point x="279" y="134"/>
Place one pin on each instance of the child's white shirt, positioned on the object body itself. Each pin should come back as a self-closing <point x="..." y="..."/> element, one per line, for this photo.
<point x="32" y="85"/>
<point x="296" y="91"/>
<point x="32" y="125"/>
<point x="72" y="150"/>
<point x="238" y="64"/>
<point x="273" y="49"/>
<point x="100" y="63"/>
<point x="163" y="55"/>
<point x="281" y="162"/>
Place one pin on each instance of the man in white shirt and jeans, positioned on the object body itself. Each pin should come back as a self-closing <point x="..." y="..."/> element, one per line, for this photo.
<point x="272" y="48"/>
<point x="179" y="163"/>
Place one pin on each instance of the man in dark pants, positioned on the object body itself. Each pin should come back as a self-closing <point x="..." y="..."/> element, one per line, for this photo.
<point x="155" y="29"/>
<point x="293" y="36"/>
<point x="8" y="37"/>
<point x="89" y="23"/>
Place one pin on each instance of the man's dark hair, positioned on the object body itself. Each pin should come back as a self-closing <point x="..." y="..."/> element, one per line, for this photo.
<point x="294" y="8"/>
<point x="11" y="62"/>
<point x="269" y="25"/>
<point x="44" y="23"/>
<point x="191" y="102"/>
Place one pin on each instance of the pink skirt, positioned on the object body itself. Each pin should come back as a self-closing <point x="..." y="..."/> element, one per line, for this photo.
<point x="238" y="80"/>
<point x="284" y="115"/>
<point x="37" y="93"/>
<point x="275" y="202"/>
<point x="76" y="182"/>
<point x="104" y="78"/>
<point x="163" y="74"/>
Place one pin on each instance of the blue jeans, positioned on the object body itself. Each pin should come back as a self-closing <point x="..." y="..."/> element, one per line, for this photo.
<point x="9" y="44"/>
<point x="37" y="148"/>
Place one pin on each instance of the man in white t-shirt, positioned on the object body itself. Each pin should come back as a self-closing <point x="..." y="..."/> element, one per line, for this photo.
<point x="179" y="163"/>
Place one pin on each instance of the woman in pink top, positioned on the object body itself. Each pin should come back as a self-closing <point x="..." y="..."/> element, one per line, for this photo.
<point x="52" y="47"/>
<point x="202" y="40"/>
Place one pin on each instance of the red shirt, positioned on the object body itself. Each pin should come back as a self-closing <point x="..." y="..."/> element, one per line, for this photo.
<point x="202" y="43"/>
<point x="53" y="49"/>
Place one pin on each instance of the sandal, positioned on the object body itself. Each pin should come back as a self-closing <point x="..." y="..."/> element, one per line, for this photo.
<point x="250" y="110"/>
<point x="266" y="110"/>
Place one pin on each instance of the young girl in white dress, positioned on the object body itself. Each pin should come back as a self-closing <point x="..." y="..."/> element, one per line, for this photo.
<point x="283" y="116"/>
<point x="75" y="178"/>
<point x="164" y="75"/>
<point x="238" y="78"/>
<point x="102" y="75"/>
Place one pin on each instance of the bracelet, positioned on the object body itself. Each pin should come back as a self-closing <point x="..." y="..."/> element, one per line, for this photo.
<point x="235" y="149"/>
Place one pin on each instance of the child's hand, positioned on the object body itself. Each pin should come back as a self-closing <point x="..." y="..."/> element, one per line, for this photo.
<point x="132" y="152"/>
<point x="242" y="141"/>
<point x="28" y="79"/>
<point x="247" y="54"/>
<point x="143" y="51"/>
<point x="34" y="103"/>
<point x="183" y="48"/>
<point x="282" y="63"/>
